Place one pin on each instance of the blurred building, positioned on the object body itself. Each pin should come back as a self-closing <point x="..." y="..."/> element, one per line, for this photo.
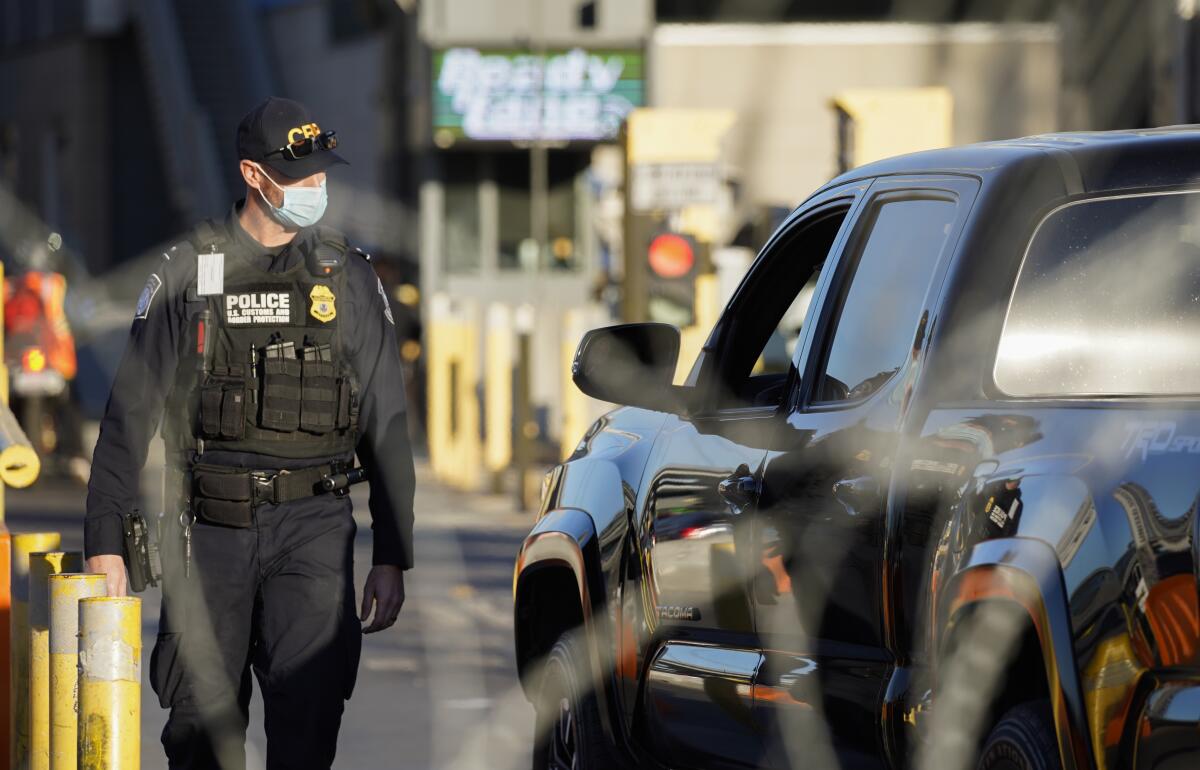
<point x="485" y="136"/>
<point x="118" y="117"/>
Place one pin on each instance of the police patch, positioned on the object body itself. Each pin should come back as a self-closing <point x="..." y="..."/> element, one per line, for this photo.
<point x="153" y="283"/>
<point x="387" y="306"/>
<point x="258" y="307"/>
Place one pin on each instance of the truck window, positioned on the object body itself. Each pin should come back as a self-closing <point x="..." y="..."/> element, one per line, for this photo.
<point x="769" y="319"/>
<point x="877" y="321"/>
<point x="1107" y="302"/>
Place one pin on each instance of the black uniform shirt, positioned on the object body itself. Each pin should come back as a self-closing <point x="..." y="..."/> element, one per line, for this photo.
<point x="146" y="375"/>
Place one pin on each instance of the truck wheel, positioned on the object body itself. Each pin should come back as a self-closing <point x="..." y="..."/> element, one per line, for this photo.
<point x="1023" y="739"/>
<point x="569" y="735"/>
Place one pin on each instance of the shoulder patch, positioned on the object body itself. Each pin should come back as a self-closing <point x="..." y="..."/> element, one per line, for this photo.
<point x="387" y="306"/>
<point x="153" y="284"/>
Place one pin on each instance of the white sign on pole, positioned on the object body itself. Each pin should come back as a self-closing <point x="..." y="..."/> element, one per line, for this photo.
<point x="660" y="186"/>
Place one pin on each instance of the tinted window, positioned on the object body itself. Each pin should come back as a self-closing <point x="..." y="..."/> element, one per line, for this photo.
<point x="878" y="319"/>
<point x="1107" y="302"/>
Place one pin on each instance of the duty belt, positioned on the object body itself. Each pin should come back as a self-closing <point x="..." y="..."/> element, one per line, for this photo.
<point x="283" y="486"/>
<point x="228" y="496"/>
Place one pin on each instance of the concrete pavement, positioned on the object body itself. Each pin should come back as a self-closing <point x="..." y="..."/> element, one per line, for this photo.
<point x="438" y="689"/>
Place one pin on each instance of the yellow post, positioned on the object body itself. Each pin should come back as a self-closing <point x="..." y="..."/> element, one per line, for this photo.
<point x="22" y="545"/>
<point x="110" y="677"/>
<point x="41" y="567"/>
<point x="438" y="386"/>
<point x="575" y="405"/>
<point x="498" y="392"/>
<point x="468" y="442"/>
<point x="708" y="309"/>
<point x="66" y="591"/>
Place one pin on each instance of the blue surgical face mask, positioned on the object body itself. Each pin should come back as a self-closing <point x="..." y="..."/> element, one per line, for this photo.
<point x="302" y="206"/>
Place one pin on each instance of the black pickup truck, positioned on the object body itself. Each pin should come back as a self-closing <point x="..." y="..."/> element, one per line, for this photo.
<point x="927" y="497"/>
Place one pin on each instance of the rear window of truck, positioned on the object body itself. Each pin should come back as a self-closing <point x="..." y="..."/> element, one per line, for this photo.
<point x="1107" y="302"/>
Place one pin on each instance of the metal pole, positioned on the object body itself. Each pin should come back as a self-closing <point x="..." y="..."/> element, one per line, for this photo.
<point x="66" y="591"/>
<point x="1184" y="76"/>
<point x="110" y="680"/>
<point x="539" y="205"/>
<point x="41" y="567"/>
<point x="539" y="174"/>
<point x="525" y="427"/>
<point x="22" y="546"/>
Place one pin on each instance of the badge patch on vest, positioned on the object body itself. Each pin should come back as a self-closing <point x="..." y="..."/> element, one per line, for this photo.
<point x="322" y="304"/>
<point x="258" y="307"/>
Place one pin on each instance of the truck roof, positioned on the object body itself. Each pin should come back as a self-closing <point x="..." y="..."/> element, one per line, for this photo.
<point x="1089" y="160"/>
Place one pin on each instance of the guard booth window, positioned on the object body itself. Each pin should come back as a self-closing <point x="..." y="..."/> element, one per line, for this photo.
<point x="881" y="308"/>
<point x="460" y="221"/>
<point x="517" y="249"/>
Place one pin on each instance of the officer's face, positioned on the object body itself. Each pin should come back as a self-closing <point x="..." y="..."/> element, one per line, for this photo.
<point x="261" y="177"/>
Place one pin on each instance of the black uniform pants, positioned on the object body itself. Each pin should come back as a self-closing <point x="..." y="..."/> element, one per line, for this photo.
<point x="278" y="598"/>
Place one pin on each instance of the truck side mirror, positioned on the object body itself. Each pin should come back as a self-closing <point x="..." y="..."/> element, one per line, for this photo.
<point x="629" y="364"/>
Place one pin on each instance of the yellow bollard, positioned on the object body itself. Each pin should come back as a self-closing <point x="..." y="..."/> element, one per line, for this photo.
<point x="498" y="393"/>
<point x="110" y="677"/>
<point x="467" y="441"/>
<point x="66" y="591"/>
<point x="41" y="567"/>
<point x="437" y="376"/>
<point x="23" y="544"/>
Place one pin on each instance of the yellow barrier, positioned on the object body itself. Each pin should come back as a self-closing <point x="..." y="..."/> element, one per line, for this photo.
<point x="440" y="421"/>
<point x="41" y="567"/>
<point x="455" y="446"/>
<point x="66" y="593"/>
<point x="498" y="393"/>
<point x="23" y="545"/>
<point x="576" y="407"/>
<point x="110" y="675"/>
<point x="692" y="338"/>
<point x="19" y="464"/>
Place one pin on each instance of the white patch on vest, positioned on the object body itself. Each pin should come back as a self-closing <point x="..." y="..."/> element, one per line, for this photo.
<point x="387" y="306"/>
<point x="258" y="307"/>
<point x="210" y="274"/>
<point x="153" y="283"/>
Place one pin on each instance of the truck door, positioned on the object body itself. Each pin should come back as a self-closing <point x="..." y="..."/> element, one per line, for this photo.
<point x="820" y="523"/>
<point x="701" y="483"/>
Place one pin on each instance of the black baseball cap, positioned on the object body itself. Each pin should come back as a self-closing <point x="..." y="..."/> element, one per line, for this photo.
<point x="277" y="123"/>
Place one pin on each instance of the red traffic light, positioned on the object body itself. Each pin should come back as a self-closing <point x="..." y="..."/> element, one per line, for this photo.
<point x="671" y="256"/>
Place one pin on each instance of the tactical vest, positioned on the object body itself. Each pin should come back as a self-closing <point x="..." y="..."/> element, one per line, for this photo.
<point x="265" y="370"/>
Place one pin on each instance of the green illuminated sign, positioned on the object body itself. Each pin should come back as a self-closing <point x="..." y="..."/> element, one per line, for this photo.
<point x="517" y="95"/>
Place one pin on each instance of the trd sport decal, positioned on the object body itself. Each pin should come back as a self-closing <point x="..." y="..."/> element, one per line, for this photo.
<point x="258" y="307"/>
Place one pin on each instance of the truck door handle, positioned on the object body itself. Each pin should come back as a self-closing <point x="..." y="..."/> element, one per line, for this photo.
<point x="739" y="489"/>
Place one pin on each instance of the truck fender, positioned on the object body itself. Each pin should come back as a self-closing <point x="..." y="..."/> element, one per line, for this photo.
<point x="566" y="538"/>
<point x="1026" y="572"/>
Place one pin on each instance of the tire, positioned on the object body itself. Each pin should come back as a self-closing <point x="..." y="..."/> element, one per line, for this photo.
<point x="1023" y="739"/>
<point x="569" y="735"/>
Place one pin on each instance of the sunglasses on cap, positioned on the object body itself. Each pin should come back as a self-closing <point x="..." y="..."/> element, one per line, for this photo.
<point x="300" y="148"/>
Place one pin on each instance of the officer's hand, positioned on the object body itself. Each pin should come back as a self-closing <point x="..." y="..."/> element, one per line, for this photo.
<point x="385" y="589"/>
<point x="113" y="568"/>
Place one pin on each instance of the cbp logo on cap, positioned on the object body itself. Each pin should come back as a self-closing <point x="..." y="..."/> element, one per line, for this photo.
<point x="307" y="131"/>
